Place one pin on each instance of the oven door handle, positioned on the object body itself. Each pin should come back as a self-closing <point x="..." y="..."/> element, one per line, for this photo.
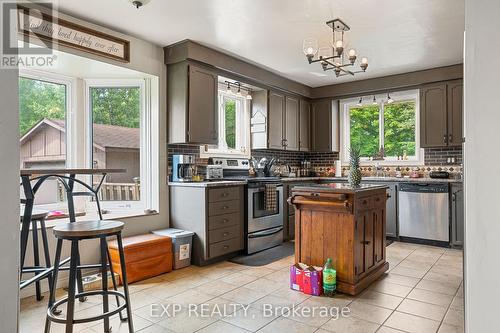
<point x="265" y="232"/>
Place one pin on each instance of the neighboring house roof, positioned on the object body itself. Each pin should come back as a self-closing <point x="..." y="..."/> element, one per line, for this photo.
<point x="105" y="136"/>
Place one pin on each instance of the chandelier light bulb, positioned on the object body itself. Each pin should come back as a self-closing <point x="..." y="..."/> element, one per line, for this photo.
<point x="310" y="47"/>
<point x="249" y="95"/>
<point x="360" y="102"/>
<point x="389" y="99"/>
<point x="364" y="60"/>
<point x="339" y="43"/>
<point x="352" y="53"/>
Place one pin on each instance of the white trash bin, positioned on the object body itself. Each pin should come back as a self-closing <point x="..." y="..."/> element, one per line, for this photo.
<point x="182" y="243"/>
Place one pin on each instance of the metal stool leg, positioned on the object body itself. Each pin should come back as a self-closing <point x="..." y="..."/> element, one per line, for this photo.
<point x="125" y="283"/>
<point x="53" y="286"/>
<point x="36" y="257"/>
<point x="104" y="275"/>
<point x="115" y="285"/>
<point x="46" y="252"/>
<point x="70" y="313"/>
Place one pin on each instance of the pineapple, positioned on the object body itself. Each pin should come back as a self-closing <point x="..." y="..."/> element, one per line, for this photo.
<point x="354" y="171"/>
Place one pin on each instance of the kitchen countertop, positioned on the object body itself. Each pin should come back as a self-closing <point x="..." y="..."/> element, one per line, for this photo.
<point x="338" y="188"/>
<point x="209" y="183"/>
<point x="305" y="179"/>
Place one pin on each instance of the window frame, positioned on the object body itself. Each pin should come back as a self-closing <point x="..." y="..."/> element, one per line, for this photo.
<point x="149" y="143"/>
<point x="242" y="129"/>
<point x="347" y="104"/>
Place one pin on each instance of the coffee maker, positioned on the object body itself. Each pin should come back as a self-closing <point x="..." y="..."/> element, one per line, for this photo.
<point x="183" y="168"/>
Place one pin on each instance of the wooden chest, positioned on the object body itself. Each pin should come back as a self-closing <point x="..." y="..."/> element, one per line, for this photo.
<point x="145" y="256"/>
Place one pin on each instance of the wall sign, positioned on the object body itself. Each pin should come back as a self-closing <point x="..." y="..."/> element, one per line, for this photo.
<point x="53" y="30"/>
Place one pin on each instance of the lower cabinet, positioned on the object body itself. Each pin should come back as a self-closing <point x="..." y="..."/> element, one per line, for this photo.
<point x="215" y="215"/>
<point x="457" y="215"/>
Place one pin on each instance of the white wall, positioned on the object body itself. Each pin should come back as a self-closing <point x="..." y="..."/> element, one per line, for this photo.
<point x="482" y="159"/>
<point x="147" y="58"/>
<point x="9" y="202"/>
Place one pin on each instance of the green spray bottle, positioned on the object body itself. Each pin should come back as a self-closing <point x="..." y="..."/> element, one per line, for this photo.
<point x="329" y="279"/>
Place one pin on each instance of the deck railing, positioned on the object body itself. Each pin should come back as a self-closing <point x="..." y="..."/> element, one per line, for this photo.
<point x="112" y="192"/>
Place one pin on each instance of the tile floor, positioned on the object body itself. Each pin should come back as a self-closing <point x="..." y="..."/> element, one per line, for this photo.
<point x="422" y="292"/>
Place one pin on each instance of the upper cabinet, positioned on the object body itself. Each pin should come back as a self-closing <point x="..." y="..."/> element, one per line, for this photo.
<point x="291" y="137"/>
<point x="441" y="114"/>
<point x="283" y="129"/>
<point x="304" y="125"/>
<point x="325" y="126"/>
<point x="192" y="104"/>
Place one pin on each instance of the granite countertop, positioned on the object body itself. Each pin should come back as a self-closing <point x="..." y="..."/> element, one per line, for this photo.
<point x="209" y="183"/>
<point x="375" y="179"/>
<point x="338" y="188"/>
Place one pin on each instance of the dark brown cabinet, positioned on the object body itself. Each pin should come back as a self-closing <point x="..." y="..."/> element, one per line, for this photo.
<point x="441" y="114"/>
<point x="192" y="104"/>
<point x="304" y="125"/>
<point x="322" y="126"/>
<point x="291" y="137"/>
<point x="283" y="122"/>
<point x="276" y="115"/>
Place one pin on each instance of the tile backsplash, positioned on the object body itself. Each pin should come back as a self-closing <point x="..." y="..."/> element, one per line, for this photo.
<point x="435" y="159"/>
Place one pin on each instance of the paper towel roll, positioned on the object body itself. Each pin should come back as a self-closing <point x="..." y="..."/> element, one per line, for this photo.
<point x="338" y="168"/>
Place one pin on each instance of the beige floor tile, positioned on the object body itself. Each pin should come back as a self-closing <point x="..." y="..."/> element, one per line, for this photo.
<point x="217" y="273"/>
<point x="426" y="310"/>
<point x="416" y="273"/>
<point x="216" y="288"/>
<point x="416" y="265"/>
<point x="159" y="292"/>
<point x="445" y="328"/>
<point x="313" y="313"/>
<point x="229" y="265"/>
<point x="251" y="319"/>
<point x="155" y="329"/>
<point x="446" y="278"/>
<point x="243" y="295"/>
<point x="460" y="292"/>
<point x="238" y="279"/>
<point x="222" y="327"/>
<point x="457" y="303"/>
<point x="349" y="325"/>
<point x="386" y="287"/>
<point x="437" y="286"/>
<point x="385" y="329"/>
<point x="286" y="325"/>
<point x="454" y="317"/>
<point x="188" y="297"/>
<point x="184" y="322"/>
<point x="117" y="326"/>
<point x="369" y="312"/>
<point x="274" y="303"/>
<point x="264" y="285"/>
<point x="291" y="295"/>
<point x="258" y="271"/>
<point x="430" y="297"/>
<point x="279" y="276"/>
<point x="400" y="279"/>
<point x="411" y="323"/>
<point x="339" y="300"/>
<point x="379" y="299"/>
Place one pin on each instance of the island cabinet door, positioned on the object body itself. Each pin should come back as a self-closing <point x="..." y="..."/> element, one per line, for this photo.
<point x="368" y="242"/>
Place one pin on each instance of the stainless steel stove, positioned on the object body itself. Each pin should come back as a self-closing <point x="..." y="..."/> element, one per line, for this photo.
<point x="264" y="227"/>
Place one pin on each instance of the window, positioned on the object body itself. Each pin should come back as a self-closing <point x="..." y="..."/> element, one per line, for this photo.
<point x="119" y="135"/>
<point x="43" y="105"/>
<point x="393" y="126"/>
<point x="234" y="127"/>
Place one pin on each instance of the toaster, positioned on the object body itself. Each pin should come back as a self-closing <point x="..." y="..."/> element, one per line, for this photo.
<point x="214" y="172"/>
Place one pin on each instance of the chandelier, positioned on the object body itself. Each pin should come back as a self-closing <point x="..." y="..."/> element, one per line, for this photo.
<point x="333" y="57"/>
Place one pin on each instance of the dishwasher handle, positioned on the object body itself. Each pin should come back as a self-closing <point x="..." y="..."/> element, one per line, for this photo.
<point x="424" y="187"/>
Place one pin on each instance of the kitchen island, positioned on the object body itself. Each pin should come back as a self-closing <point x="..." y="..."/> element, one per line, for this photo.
<point x="346" y="224"/>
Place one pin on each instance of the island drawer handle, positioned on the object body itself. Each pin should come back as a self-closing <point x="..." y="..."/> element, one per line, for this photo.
<point x="365" y="242"/>
<point x="225" y="247"/>
<point x="225" y="220"/>
<point x="225" y="234"/>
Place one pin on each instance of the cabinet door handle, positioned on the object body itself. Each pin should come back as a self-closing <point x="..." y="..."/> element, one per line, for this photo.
<point x="454" y="197"/>
<point x="225" y="247"/>
<point x="225" y="220"/>
<point x="450" y="138"/>
<point x="225" y="234"/>
<point x="225" y="207"/>
<point x="225" y="194"/>
<point x="445" y="138"/>
<point x="365" y="242"/>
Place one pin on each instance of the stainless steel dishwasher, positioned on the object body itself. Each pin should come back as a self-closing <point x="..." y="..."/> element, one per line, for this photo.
<point x="423" y="210"/>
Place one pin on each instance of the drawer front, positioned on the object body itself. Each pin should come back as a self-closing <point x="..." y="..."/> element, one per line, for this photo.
<point x="224" y="194"/>
<point x="223" y="221"/>
<point x="379" y="201"/>
<point x="223" y="207"/>
<point x="224" y="247"/>
<point x="223" y="234"/>
<point x="364" y="203"/>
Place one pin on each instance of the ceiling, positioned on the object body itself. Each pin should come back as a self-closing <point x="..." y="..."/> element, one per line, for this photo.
<point x="397" y="36"/>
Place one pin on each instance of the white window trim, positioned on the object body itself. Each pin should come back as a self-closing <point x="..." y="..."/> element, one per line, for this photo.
<point x="381" y="98"/>
<point x="242" y="132"/>
<point x="71" y="108"/>
<point x="149" y="141"/>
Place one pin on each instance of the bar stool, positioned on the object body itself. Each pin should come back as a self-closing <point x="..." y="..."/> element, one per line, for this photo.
<point x="76" y="232"/>
<point x="38" y="218"/>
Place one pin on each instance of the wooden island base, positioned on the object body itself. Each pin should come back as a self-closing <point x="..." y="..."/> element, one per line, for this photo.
<point x="345" y="224"/>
